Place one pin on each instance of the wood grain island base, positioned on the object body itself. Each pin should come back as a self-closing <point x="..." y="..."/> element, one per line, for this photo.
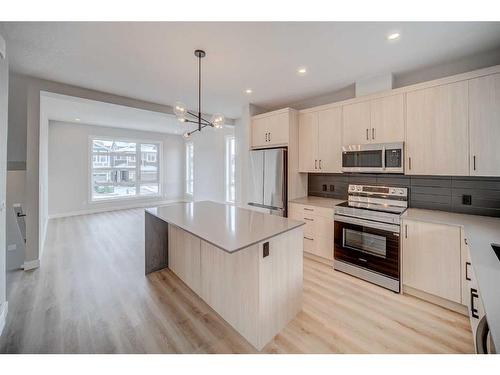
<point x="255" y="285"/>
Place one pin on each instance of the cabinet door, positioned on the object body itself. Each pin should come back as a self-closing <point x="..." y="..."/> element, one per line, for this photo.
<point x="278" y="127"/>
<point x="484" y="119"/>
<point x="308" y="142"/>
<point x="431" y="259"/>
<point x="356" y="124"/>
<point x="436" y="131"/>
<point x="387" y="119"/>
<point x="330" y="140"/>
<point x="259" y="131"/>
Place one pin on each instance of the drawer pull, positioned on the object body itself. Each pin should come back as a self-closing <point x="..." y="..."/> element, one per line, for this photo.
<point x="308" y="238"/>
<point x="467" y="277"/>
<point x="473" y="310"/>
<point x="308" y="209"/>
<point x="306" y="218"/>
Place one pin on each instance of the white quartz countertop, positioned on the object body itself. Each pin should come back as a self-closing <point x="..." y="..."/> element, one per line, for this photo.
<point x="317" y="201"/>
<point x="223" y="225"/>
<point x="480" y="232"/>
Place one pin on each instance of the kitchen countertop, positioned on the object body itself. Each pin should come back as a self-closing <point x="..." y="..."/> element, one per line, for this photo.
<point x="317" y="201"/>
<point x="480" y="232"/>
<point x="228" y="227"/>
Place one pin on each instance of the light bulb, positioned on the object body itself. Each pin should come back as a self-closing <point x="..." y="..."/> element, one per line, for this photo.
<point x="218" y="120"/>
<point x="180" y="110"/>
<point x="186" y="135"/>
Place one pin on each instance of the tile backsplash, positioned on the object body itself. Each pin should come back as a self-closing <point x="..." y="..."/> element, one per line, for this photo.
<point x="470" y="195"/>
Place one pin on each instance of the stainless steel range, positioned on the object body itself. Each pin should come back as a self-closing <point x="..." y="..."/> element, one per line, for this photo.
<point x="367" y="229"/>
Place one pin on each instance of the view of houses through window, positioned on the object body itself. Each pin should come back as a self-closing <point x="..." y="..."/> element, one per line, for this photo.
<point x="123" y="169"/>
<point x="230" y="169"/>
<point x="189" y="168"/>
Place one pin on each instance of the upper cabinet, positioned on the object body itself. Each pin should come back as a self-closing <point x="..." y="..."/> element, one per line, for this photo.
<point x="387" y="119"/>
<point x="374" y="121"/>
<point x="320" y="141"/>
<point x="270" y="129"/>
<point x="484" y="125"/>
<point x="356" y="124"/>
<point x="436" y="131"/>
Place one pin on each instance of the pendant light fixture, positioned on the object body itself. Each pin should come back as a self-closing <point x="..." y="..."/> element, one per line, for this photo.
<point x="183" y="114"/>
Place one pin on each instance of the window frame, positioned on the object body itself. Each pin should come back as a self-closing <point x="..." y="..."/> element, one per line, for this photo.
<point x="138" y="159"/>
<point x="227" y="178"/>
<point x="188" y="181"/>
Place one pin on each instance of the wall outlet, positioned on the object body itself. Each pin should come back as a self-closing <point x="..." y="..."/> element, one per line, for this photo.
<point x="265" y="250"/>
<point x="324" y="187"/>
<point x="467" y="199"/>
<point x="11" y="247"/>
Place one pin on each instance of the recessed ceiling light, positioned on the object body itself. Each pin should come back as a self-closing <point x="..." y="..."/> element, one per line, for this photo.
<point x="248" y="91"/>
<point x="302" y="70"/>
<point x="77" y="119"/>
<point x="393" y="36"/>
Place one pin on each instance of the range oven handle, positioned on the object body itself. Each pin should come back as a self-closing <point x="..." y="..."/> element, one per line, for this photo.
<point x="393" y="228"/>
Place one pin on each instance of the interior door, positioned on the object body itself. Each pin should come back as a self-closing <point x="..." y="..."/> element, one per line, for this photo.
<point x="256" y="177"/>
<point x="274" y="180"/>
<point x="484" y="122"/>
<point x="308" y="142"/>
<point x="356" y="124"/>
<point x="330" y="140"/>
<point x="387" y="119"/>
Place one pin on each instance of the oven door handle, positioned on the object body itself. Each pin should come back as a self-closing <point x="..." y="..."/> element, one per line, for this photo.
<point x="367" y="223"/>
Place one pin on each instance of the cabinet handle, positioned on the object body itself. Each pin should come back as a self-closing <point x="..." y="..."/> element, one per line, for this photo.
<point x="308" y="238"/>
<point x="473" y="310"/>
<point x="266" y="137"/>
<point x="367" y="137"/>
<point x="308" y="209"/>
<point x="319" y="163"/>
<point x="269" y="137"/>
<point x="308" y="219"/>
<point x="406" y="230"/>
<point x="409" y="163"/>
<point x="467" y="277"/>
<point x="315" y="163"/>
<point x="474" y="161"/>
<point x="373" y="133"/>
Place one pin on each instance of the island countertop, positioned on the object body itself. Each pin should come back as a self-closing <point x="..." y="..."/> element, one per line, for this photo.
<point x="228" y="227"/>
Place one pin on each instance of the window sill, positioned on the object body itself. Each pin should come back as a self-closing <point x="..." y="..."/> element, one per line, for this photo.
<point x="125" y="199"/>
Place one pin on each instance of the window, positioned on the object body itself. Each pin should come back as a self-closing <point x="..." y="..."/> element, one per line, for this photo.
<point x="230" y="169"/>
<point x="123" y="169"/>
<point x="189" y="168"/>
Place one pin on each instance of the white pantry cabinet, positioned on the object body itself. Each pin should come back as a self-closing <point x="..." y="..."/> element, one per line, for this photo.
<point x="320" y="141"/>
<point x="432" y="259"/>
<point x="437" y="130"/>
<point x="375" y="121"/>
<point x="484" y="125"/>
<point x="271" y="129"/>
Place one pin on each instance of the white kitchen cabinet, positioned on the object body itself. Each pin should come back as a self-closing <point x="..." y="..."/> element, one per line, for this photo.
<point x="308" y="142"/>
<point x="484" y="125"/>
<point x="319" y="228"/>
<point x="270" y="129"/>
<point x="432" y="259"/>
<point x="320" y="141"/>
<point x="437" y="130"/>
<point x="387" y="119"/>
<point x="356" y="124"/>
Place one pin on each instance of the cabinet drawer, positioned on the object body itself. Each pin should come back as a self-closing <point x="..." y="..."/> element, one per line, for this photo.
<point x="324" y="247"/>
<point x="313" y="210"/>
<point x="309" y="244"/>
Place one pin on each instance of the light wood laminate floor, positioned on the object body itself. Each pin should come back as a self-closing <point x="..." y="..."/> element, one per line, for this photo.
<point x="91" y="296"/>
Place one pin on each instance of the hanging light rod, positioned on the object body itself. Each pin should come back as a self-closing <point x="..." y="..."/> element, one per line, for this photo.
<point x="182" y="113"/>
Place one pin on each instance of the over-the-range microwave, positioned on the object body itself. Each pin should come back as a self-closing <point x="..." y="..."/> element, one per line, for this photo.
<point x="373" y="158"/>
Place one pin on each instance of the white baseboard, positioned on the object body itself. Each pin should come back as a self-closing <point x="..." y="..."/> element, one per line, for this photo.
<point x="107" y="209"/>
<point x="32" y="264"/>
<point x="4" y="308"/>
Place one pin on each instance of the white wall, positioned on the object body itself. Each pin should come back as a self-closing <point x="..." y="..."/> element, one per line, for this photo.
<point x="209" y="163"/>
<point x="68" y="168"/>
<point x="4" y="87"/>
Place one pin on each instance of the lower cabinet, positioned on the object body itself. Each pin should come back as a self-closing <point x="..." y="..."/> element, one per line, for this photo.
<point x="432" y="259"/>
<point x="318" y="231"/>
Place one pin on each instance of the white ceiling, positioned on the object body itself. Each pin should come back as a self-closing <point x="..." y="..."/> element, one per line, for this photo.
<point x="68" y="109"/>
<point x="155" y="61"/>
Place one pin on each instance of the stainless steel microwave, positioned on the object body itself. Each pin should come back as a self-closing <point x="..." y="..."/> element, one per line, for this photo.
<point x="373" y="158"/>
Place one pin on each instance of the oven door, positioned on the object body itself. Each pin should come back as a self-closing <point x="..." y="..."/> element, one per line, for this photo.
<point x="370" y="245"/>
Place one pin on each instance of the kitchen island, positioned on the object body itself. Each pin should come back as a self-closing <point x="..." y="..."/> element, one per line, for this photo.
<point x="244" y="264"/>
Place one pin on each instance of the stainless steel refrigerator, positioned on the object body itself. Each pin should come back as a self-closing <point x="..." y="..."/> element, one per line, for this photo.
<point x="268" y="176"/>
